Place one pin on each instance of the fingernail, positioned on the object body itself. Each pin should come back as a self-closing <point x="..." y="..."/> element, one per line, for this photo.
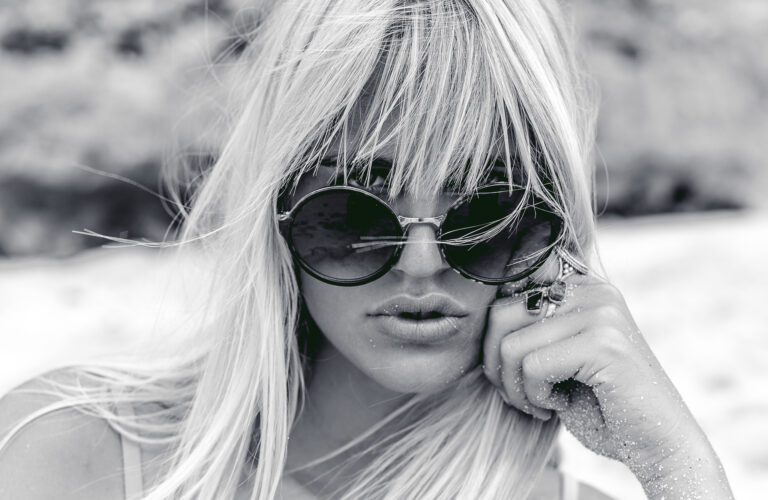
<point x="537" y="412"/>
<point x="542" y="414"/>
<point x="504" y="397"/>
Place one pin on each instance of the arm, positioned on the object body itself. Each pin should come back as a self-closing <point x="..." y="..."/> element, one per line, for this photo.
<point x="589" y="365"/>
<point x="692" y="471"/>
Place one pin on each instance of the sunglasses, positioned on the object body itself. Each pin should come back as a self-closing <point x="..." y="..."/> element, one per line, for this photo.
<point x="347" y="236"/>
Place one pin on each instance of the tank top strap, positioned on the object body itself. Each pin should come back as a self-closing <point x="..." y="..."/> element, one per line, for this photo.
<point x="132" y="476"/>
<point x="569" y="486"/>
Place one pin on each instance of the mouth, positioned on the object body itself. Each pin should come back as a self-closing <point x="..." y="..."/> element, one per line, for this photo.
<point x="420" y="320"/>
<point x="421" y="316"/>
<point x="425" y="307"/>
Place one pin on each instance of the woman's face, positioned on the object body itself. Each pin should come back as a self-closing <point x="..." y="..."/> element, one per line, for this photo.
<point x="419" y="327"/>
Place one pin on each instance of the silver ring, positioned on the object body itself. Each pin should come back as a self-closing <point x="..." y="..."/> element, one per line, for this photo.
<point x="555" y="294"/>
<point x="538" y="296"/>
<point x="551" y="306"/>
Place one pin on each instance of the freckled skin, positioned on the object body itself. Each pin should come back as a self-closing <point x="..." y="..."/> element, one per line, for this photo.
<point x="342" y="313"/>
<point x="620" y="403"/>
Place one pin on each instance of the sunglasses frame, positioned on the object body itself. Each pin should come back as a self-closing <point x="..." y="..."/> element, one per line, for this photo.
<point x="286" y="219"/>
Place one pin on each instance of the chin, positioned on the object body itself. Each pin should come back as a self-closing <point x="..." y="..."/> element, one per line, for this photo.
<point x="415" y="369"/>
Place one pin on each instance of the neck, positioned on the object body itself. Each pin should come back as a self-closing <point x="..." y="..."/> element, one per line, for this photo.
<point x="342" y="404"/>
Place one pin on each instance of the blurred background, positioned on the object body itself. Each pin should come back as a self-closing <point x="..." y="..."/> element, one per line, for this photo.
<point x="96" y="95"/>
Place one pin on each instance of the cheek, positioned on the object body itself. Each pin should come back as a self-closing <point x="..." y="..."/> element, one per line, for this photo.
<point x="340" y="313"/>
<point x="335" y="309"/>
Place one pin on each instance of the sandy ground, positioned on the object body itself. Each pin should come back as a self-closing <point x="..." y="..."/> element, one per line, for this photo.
<point x="695" y="283"/>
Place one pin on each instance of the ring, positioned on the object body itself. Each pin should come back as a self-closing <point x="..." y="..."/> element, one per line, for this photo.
<point x="550" y="309"/>
<point x="537" y="296"/>
<point x="555" y="294"/>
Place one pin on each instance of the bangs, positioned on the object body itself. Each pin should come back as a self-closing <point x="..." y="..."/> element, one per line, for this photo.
<point x="430" y="106"/>
<point x="451" y="96"/>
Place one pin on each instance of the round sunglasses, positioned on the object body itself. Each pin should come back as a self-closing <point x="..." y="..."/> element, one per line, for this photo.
<point x="347" y="236"/>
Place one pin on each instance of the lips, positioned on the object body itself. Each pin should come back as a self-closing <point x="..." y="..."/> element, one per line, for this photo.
<point x="425" y="307"/>
<point x="421" y="320"/>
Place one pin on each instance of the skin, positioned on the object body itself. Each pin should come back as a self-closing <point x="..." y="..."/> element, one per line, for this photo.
<point x="344" y="314"/>
<point x="622" y="404"/>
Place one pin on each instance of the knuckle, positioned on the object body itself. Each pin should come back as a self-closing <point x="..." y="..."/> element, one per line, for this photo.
<point x="613" y="342"/>
<point x="608" y="313"/>
<point x="609" y="293"/>
<point x="508" y="346"/>
<point x="531" y="365"/>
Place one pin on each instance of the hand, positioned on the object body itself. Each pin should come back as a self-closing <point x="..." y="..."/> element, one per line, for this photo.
<point x="589" y="363"/>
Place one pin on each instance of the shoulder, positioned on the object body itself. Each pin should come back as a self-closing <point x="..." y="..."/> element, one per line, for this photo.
<point x="59" y="454"/>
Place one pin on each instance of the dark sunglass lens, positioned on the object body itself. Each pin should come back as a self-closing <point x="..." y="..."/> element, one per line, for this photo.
<point x="344" y="235"/>
<point x="509" y="250"/>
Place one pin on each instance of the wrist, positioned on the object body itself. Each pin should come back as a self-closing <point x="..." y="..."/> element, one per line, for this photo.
<point x="689" y="470"/>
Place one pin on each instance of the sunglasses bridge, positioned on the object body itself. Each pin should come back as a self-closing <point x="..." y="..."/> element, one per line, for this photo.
<point x="435" y="222"/>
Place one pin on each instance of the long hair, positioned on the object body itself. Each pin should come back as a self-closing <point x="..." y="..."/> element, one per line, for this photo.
<point x="460" y="80"/>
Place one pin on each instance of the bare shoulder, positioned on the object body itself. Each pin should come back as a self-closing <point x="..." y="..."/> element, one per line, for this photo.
<point x="59" y="454"/>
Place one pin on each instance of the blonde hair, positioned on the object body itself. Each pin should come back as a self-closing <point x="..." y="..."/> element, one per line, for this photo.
<point x="323" y="71"/>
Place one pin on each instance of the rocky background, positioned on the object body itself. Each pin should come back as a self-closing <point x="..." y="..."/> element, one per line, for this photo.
<point x="108" y="86"/>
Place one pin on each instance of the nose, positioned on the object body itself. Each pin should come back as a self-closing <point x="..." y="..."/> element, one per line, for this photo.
<point x="420" y="256"/>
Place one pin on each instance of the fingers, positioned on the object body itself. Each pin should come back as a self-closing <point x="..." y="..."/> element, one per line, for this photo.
<point x="546" y="366"/>
<point x="567" y="377"/>
<point x="506" y="315"/>
<point x="514" y="336"/>
<point x="516" y="346"/>
<point x="509" y="314"/>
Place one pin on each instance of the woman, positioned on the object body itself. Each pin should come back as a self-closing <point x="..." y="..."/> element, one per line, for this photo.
<point x="406" y="302"/>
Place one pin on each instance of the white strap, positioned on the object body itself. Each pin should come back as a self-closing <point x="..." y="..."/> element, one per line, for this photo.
<point x="569" y="487"/>
<point x="132" y="480"/>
